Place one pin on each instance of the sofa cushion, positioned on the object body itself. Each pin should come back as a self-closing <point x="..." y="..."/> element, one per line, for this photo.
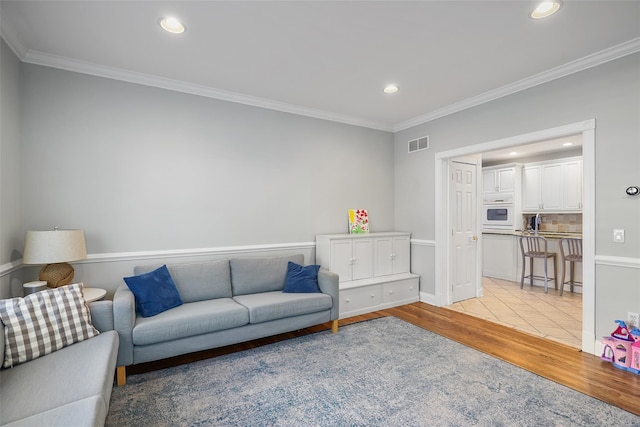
<point x="44" y="322"/>
<point x="275" y="305"/>
<point x="254" y="275"/>
<point x="78" y="378"/>
<point x="198" y="281"/>
<point x="190" y="319"/>
<point x="155" y="291"/>
<point x="301" y="279"/>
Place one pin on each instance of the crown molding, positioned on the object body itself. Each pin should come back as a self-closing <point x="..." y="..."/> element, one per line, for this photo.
<point x="9" y="36"/>
<point x="589" y="61"/>
<point x="84" y="67"/>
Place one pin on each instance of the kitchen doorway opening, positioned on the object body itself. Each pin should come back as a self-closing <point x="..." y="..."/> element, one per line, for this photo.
<point x="443" y="260"/>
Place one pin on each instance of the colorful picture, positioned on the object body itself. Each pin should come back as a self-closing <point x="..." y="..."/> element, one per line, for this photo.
<point x="358" y="221"/>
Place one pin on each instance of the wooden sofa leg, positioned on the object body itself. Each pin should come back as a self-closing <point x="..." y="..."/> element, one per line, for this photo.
<point x="121" y="376"/>
<point x="334" y="326"/>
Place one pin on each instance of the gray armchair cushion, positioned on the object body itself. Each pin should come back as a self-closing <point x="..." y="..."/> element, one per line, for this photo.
<point x="255" y="275"/>
<point x="198" y="281"/>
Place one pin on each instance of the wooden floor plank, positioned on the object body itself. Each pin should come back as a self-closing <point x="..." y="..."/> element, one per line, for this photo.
<point x="557" y="362"/>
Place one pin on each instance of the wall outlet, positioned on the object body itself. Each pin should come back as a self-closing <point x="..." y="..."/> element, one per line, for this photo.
<point x="633" y="320"/>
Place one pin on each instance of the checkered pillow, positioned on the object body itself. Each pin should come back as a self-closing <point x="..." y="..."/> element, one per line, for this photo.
<point x="44" y="322"/>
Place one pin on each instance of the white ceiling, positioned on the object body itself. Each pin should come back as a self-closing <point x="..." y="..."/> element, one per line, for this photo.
<point x="327" y="59"/>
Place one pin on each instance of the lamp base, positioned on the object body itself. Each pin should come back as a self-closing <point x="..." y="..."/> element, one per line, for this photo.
<point x="56" y="275"/>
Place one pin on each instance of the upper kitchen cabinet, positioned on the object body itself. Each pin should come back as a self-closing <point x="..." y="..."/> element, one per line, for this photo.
<point x="500" y="179"/>
<point x="554" y="186"/>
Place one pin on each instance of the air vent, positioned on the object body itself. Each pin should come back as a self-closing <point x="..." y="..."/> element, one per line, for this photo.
<point x="419" y="144"/>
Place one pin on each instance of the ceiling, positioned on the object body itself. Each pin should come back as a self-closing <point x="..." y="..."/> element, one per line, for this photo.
<point x="327" y="59"/>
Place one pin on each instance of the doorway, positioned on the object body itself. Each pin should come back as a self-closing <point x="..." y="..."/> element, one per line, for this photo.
<point x="443" y="261"/>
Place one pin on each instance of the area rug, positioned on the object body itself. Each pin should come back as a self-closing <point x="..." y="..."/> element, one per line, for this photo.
<point x="383" y="372"/>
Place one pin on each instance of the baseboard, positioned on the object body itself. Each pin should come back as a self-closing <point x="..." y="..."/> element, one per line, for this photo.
<point x="428" y="298"/>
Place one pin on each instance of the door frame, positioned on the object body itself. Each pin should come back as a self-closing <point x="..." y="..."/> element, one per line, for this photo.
<point x="443" y="294"/>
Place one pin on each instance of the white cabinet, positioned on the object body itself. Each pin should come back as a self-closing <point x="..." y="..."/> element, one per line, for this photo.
<point x="374" y="270"/>
<point x="572" y="185"/>
<point x="351" y="259"/>
<point x="392" y="255"/>
<point x="500" y="256"/>
<point x="499" y="179"/>
<point x="552" y="186"/>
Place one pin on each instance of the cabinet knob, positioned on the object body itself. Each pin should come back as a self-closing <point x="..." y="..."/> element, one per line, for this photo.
<point x="347" y="300"/>
<point x="390" y="291"/>
<point x="373" y="296"/>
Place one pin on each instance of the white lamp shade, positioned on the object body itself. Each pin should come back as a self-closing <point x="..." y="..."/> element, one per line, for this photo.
<point x="48" y="247"/>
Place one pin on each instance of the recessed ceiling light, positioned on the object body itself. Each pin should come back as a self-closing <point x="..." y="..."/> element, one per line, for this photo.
<point x="513" y="153"/>
<point x="172" y="25"/>
<point x="546" y="8"/>
<point x="567" y="144"/>
<point x="391" y="89"/>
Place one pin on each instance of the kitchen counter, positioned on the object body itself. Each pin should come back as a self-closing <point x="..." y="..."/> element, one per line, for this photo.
<point x="545" y="234"/>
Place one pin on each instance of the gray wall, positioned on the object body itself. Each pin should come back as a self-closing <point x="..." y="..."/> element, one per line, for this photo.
<point x="10" y="200"/>
<point x="609" y="93"/>
<point x="144" y="169"/>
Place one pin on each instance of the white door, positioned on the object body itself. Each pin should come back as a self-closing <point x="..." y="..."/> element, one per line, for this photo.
<point x="362" y="256"/>
<point x="463" y="220"/>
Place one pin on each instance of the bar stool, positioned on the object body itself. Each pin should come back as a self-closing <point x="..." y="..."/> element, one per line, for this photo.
<point x="570" y="251"/>
<point x="536" y="247"/>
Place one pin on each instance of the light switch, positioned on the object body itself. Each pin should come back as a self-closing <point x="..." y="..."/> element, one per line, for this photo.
<point x="618" y="236"/>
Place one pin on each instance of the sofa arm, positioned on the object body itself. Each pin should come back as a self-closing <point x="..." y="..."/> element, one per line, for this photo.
<point x="328" y="282"/>
<point x="102" y="315"/>
<point x="124" y="318"/>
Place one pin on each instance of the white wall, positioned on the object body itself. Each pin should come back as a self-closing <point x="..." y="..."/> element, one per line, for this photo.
<point x="144" y="169"/>
<point x="609" y="93"/>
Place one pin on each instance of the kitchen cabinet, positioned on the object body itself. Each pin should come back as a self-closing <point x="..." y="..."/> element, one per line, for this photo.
<point x="572" y="185"/>
<point x="500" y="256"/>
<point x="552" y="186"/>
<point x="499" y="179"/>
<point x="374" y="270"/>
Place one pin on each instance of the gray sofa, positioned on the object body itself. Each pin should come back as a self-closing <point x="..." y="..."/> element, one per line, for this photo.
<point x="69" y="387"/>
<point x="224" y="302"/>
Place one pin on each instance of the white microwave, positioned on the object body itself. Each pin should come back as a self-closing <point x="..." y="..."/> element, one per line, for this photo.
<point x="498" y="217"/>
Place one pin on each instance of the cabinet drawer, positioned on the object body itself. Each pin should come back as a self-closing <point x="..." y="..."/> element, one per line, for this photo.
<point x="401" y="290"/>
<point x="359" y="298"/>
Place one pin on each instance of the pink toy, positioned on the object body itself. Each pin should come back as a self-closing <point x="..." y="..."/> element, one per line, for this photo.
<point x="623" y="348"/>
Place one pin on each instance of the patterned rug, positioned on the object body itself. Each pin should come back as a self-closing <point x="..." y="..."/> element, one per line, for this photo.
<point x="383" y="372"/>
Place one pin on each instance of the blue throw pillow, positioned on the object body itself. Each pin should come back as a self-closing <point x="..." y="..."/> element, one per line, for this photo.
<point x="301" y="279"/>
<point x="155" y="291"/>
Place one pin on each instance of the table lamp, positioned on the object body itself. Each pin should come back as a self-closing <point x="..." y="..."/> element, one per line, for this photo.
<point x="55" y="248"/>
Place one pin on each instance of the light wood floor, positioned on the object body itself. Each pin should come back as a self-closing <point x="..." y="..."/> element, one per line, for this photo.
<point x="552" y="360"/>
<point x="551" y="316"/>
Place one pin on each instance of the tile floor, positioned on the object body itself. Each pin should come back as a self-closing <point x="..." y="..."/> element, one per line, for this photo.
<point x="555" y="317"/>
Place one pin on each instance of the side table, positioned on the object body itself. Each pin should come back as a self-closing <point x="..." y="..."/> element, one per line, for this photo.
<point x="93" y="294"/>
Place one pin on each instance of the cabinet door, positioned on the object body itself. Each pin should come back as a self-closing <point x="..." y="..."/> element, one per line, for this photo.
<point x="363" y="259"/>
<point x="342" y="258"/>
<point x="572" y="188"/>
<point x="489" y="182"/>
<point x="506" y="179"/>
<point x="531" y="188"/>
<point x="402" y="254"/>
<point x="551" y="187"/>
<point x="383" y="256"/>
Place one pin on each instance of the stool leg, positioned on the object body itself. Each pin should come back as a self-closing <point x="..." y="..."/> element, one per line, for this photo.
<point x="564" y="268"/>
<point x="555" y="270"/>
<point x="524" y="267"/>
<point x="531" y="271"/>
<point x="571" y="272"/>
<point x="546" y="283"/>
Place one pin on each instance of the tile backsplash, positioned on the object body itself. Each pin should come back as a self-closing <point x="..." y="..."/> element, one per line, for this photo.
<point x="557" y="222"/>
